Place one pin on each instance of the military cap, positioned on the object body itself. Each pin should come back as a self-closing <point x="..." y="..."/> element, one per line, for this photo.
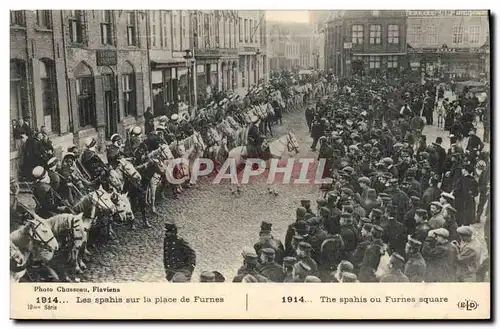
<point x="174" y="117"/>
<point x="301" y="212"/>
<point x="421" y="212"/>
<point x="424" y="155"/>
<point x="414" y="242"/>
<point x="367" y="147"/>
<point x="298" y="237"/>
<point x="332" y="196"/>
<point x="289" y="261"/>
<point x="437" y="204"/>
<point x="415" y="199"/>
<point x="349" y="277"/>
<point x="386" y="198"/>
<point x="305" y="246"/>
<point x="305" y="203"/>
<point x="137" y="130"/>
<point x="251" y="258"/>
<point x="265" y="226"/>
<point x="450" y="209"/>
<point x="268" y="251"/>
<point x="90" y="142"/>
<point x="393" y="181"/>
<point x="249" y="279"/>
<point x="377" y="211"/>
<point x="346" y="266"/>
<point x="248" y="251"/>
<point x="52" y="162"/>
<point x="115" y="137"/>
<point x="365" y="220"/>
<point x="364" y="180"/>
<point x="396" y="258"/>
<point x="465" y="231"/>
<point x="39" y="172"/>
<point x="377" y="228"/>
<point x="321" y="202"/>
<point x="69" y="155"/>
<point x="367" y="227"/>
<point x="388" y="161"/>
<point x="312" y="279"/>
<point x="72" y="149"/>
<point x="346" y="215"/>
<point x="300" y="226"/>
<point x="325" y="211"/>
<point x="347" y="191"/>
<point x="313" y="221"/>
<point x="180" y="277"/>
<point x="442" y="232"/>
<point x="381" y="166"/>
<point x="207" y="276"/>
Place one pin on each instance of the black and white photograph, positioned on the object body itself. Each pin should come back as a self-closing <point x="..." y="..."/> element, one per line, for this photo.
<point x="250" y="146"/>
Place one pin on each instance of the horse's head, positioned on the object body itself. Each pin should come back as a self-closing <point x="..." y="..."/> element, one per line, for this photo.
<point x="123" y="207"/>
<point x="128" y="169"/>
<point x="102" y="200"/>
<point x="115" y="180"/>
<point x="43" y="237"/>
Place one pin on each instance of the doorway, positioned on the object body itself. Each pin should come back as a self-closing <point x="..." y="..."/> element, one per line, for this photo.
<point x="110" y="108"/>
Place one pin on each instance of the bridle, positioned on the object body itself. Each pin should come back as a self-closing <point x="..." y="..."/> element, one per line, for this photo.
<point x="37" y="237"/>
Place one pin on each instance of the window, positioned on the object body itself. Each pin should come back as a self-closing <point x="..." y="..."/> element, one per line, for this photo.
<point x="374" y="62"/>
<point x="416" y="31"/>
<point x="175" y="30"/>
<point x="240" y="29"/>
<point x="49" y="94"/>
<point x="357" y="34"/>
<point x="18" y="98"/>
<point x="458" y="34"/>
<point x="393" y="34"/>
<point x="431" y="35"/>
<point x="184" y="31"/>
<point x="375" y="34"/>
<point x="43" y="19"/>
<point x="251" y="30"/>
<point x="128" y="87"/>
<point x="17" y="18"/>
<point x="246" y="30"/>
<point x="166" y="30"/>
<point x="474" y="33"/>
<point x="256" y="26"/>
<point x="392" y="62"/>
<point x="106" y="27"/>
<point x="85" y="96"/>
<point x="217" y="32"/>
<point x="131" y="29"/>
<point x="76" y="26"/>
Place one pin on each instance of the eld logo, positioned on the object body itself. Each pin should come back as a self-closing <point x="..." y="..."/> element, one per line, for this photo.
<point x="468" y="305"/>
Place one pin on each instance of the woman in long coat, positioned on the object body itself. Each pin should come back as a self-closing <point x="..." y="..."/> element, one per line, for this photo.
<point x="465" y="190"/>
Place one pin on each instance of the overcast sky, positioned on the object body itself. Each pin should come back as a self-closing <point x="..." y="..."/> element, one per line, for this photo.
<point x="298" y="16"/>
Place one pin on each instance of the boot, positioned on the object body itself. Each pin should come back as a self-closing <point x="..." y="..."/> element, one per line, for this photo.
<point x="146" y="223"/>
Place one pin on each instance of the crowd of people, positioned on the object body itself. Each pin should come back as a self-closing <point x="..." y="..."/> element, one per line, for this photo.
<point x="400" y="208"/>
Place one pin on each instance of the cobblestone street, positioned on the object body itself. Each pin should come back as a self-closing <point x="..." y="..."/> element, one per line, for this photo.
<point x="216" y="223"/>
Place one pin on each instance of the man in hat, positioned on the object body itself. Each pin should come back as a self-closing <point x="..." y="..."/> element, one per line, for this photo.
<point x="469" y="256"/>
<point x="348" y="233"/>
<point x="268" y="267"/>
<point x="178" y="256"/>
<point x="394" y="234"/>
<point x="450" y="223"/>
<point x="376" y="216"/>
<point x="364" y="240"/>
<point x="300" y="271"/>
<point x="432" y="193"/>
<point x="71" y="176"/>
<point x="114" y="151"/>
<point x="348" y="277"/>
<point x="266" y="240"/>
<point x="438" y="156"/>
<point x="474" y="146"/>
<point x="34" y="155"/>
<point x="371" y="258"/>
<point x="307" y="205"/>
<point x="317" y="130"/>
<point x="399" y="198"/>
<point x="55" y="178"/>
<point x="132" y="143"/>
<point x="292" y="250"/>
<point x="47" y="202"/>
<point x="288" y="264"/>
<point x="409" y="217"/>
<point x="465" y="192"/>
<point x="207" y="276"/>
<point x="342" y="268"/>
<point x="396" y="268"/>
<point x="149" y="125"/>
<point x="293" y="228"/>
<point x="483" y="173"/>
<point x="304" y="256"/>
<point x="90" y="161"/>
<point x="309" y="113"/>
<point x="422" y="227"/>
<point x="440" y="256"/>
<point x="415" y="267"/>
<point x="250" y="263"/>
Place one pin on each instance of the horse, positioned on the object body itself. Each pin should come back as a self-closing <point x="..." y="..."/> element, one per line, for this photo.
<point x="159" y="160"/>
<point x="36" y="242"/>
<point x="99" y="208"/>
<point x="18" y="263"/>
<point x="133" y="184"/>
<point x="123" y="207"/>
<point x="276" y="149"/>
<point x="70" y="231"/>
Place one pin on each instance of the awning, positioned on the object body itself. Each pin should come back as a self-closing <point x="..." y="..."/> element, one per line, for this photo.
<point x="166" y="64"/>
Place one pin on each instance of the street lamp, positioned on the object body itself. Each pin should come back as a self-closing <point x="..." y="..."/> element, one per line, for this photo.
<point x="257" y="53"/>
<point x="188" y="57"/>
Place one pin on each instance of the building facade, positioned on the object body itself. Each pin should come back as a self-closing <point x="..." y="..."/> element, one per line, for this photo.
<point x="284" y="52"/>
<point x="449" y="42"/>
<point x="365" y="41"/>
<point x="252" y="49"/>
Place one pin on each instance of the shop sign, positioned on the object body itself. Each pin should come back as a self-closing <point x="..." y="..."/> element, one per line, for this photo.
<point x="444" y="13"/>
<point x="106" y="57"/>
<point x="445" y="50"/>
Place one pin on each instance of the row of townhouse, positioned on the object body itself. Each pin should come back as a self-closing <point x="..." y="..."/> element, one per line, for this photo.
<point x="431" y="42"/>
<point x="93" y="73"/>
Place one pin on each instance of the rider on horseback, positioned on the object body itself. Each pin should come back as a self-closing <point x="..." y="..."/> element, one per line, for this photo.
<point x="47" y="201"/>
<point x="91" y="161"/>
<point x="114" y="151"/>
<point x="133" y="142"/>
<point x="254" y="136"/>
